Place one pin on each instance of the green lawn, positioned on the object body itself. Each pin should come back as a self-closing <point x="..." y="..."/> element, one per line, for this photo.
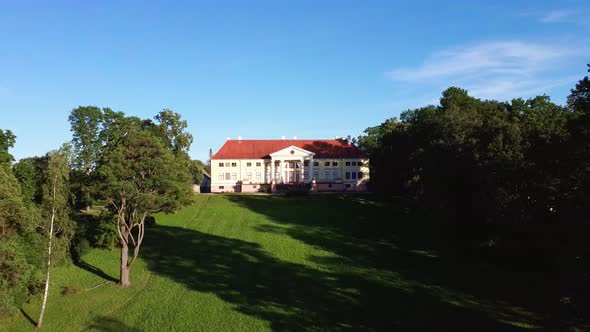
<point x="255" y="263"/>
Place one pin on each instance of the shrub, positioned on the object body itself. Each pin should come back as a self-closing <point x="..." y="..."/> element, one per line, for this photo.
<point x="105" y="234"/>
<point x="298" y="192"/>
<point x="150" y="220"/>
<point x="80" y="248"/>
<point x="7" y="305"/>
<point x="71" y="289"/>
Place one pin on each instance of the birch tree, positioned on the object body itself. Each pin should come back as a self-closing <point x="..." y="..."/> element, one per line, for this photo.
<point x="55" y="209"/>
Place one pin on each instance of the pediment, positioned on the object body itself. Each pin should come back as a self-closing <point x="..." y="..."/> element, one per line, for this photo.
<point x="292" y="151"/>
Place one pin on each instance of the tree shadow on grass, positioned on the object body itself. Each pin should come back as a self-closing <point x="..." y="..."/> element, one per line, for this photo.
<point x="295" y="297"/>
<point x="94" y="270"/>
<point x="26" y="315"/>
<point x="367" y="234"/>
<point x="108" y="324"/>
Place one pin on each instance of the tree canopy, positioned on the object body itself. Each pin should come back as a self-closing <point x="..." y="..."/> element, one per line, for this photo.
<point x="139" y="174"/>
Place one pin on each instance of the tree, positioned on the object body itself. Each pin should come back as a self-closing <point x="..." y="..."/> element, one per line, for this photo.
<point x="29" y="172"/>
<point x="579" y="99"/>
<point x="18" y="250"/>
<point x="85" y="122"/>
<point x="173" y="131"/>
<point x="11" y="207"/>
<point x="196" y="171"/>
<point x="578" y="151"/>
<point x="138" y="176"/>
<point x="55" y="207"/>
<point x="7" y="140"/>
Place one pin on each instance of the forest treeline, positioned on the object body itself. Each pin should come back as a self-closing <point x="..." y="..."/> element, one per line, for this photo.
<point x="98" y="190"/>
<point x="496" y="183"/>
<point x="479" y="161"/>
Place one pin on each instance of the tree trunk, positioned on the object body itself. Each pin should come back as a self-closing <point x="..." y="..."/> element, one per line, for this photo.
<point x="124" y="275"/>
<point x="40" y="321"/>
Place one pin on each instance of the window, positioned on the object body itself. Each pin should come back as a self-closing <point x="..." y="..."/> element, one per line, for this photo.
<point x="335" y="175"/>
<point x="354" y="175"/>
<point x="316" y="163"/>
<point x="306" y="175"/>
<point x="360" y="175"/>
<point x="347" y="163"/>
<point x="306" y="163"/>
<point x="347" y="175"/>
<point x="221" y="176"/>
<point x="220" y="164"/>
<point x="221" y="187"/>
<point x="248" y="176"/>
<point x="258" y="164"/>
<point x="248" y="164"/>
<point x="354" y="163"/>
<point x="327" y="164"/>
<point x="258" y="176"/>
<point x="226" y="164"/>
<point x="348" y="185"/>
<point x="227" y="176"/>
<point x="316" y="175"/>
<point x="334" y="164"/>
<point x="234" y="176"/>
<point x="277" y="163"/>
<point x="327" y="175"/>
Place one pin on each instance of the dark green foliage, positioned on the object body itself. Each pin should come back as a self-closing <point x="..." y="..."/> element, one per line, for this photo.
<point x="196" y="171"/>
<point x="143" y="170"/>
<point x="19" y="245"/>
<point x="105" y="234"/>
<point x="17" y="274"/>
<point x="477" y="161"/>
<point x="80" y="248"/>
<point x="506" y="181"/>
<point x="30" y="173"/>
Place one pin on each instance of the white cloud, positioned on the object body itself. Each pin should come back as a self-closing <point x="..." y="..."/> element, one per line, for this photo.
<point x="494" y="70"/>
<point x="502" y="58"/>
<point x="558" y="16"/>
<point x="576" y="16"/>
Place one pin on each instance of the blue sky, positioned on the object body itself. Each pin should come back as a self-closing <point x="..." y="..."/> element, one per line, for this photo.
<point x="266" y="69"/>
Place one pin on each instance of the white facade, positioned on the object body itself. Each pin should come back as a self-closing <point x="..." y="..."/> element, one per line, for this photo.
<point x="289" y="165"/>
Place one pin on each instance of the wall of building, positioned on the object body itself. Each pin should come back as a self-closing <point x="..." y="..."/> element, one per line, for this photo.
<point x="328" y="171"/>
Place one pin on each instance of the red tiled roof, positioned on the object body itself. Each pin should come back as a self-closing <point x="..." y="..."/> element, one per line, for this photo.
<point x="259" y="149"/>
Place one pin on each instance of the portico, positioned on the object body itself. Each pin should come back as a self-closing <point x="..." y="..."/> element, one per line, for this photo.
<point x="289" y="165"/>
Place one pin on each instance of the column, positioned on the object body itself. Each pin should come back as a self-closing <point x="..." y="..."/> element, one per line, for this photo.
<point x="310" y="169"/>
<point x="272" y="170"/>
<point x="302" y="170"/>
<point x="282" y="173"/>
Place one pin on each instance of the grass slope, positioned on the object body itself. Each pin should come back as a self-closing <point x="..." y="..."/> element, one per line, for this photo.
<point x="255" y="263"/>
